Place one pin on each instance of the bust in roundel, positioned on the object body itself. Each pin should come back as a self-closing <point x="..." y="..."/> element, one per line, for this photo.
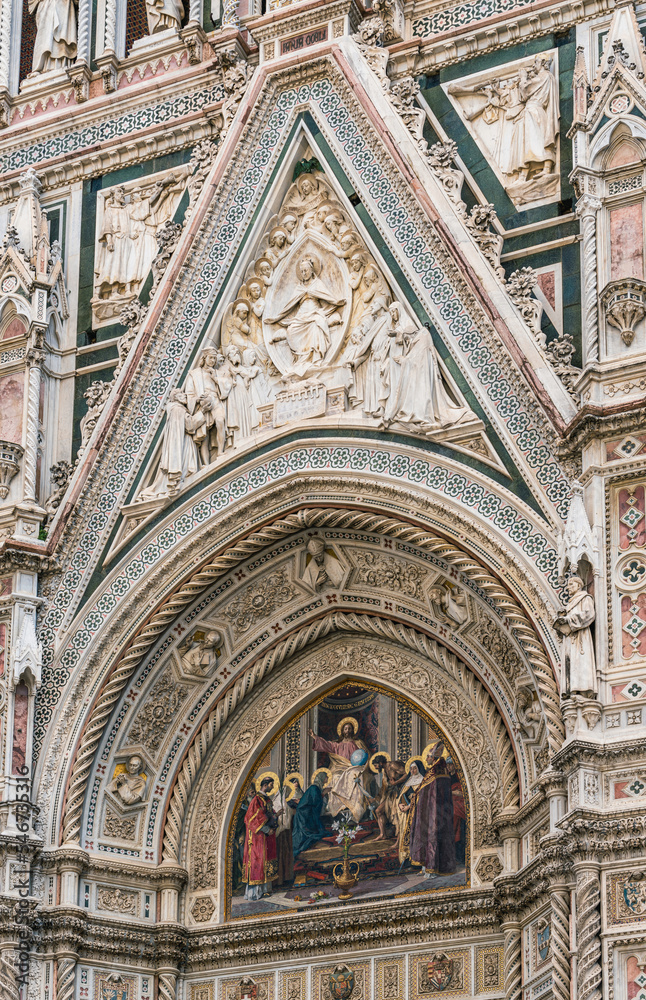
<point x="341" y="983"/>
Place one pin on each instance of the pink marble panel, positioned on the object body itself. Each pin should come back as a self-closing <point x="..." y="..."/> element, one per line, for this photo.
<point x="17" y="328"/>
<point x="547" y="284"/>
<point x="11" y="397"/>
<point x="625" y="153"/>
<point x="627" y="242"/>
<point x="20" y="720"/>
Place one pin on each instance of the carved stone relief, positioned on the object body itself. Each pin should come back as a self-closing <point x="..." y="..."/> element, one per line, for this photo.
<point x="259" y="599"/>
<point x="158" y="712"/>
<point x="513" y="115"/>
<point x="378" y="570"/>
<point x="314" y="329"/>
<point x="128" y="217"/>
<point x="119" y="827"/>
<point x="117" y="900"/>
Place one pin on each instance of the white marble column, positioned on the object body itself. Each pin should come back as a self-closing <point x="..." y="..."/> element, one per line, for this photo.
<point x="587" y="209"/>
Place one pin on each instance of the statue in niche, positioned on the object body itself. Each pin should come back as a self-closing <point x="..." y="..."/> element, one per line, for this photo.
<point x="163" y="14"/>
<point x="130" y="784"/>
<point x="55" y="42"/>
<point x="127" y="240"/>
<point x="417" y="397"/>
<point x="518" y="119"/>
<point x="200" y="655"/>
<point x="304" y="315"/>
<point x="573" y="623"/>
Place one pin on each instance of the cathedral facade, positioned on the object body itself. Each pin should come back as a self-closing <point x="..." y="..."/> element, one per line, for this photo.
<point x="322" y="500"/>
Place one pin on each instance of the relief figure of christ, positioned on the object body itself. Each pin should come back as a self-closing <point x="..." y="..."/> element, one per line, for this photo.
<point x="346" y="783"/>
<point x="306" y="316"/>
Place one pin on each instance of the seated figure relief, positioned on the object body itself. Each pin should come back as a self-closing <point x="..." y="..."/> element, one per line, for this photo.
<point x="313" y="329"/>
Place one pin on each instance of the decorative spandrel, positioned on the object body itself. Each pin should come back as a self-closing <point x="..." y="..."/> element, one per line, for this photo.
<point x="342" y="813"/>
<point x="313" y="331"/>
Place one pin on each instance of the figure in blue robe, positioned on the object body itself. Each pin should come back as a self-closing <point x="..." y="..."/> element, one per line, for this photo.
<point x="307" y="827"/>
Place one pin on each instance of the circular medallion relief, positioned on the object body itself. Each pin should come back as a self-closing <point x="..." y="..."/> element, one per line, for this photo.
<point x="631" y="572"/>
<point x="620" y="104"/>
<point x="9" y="283"/>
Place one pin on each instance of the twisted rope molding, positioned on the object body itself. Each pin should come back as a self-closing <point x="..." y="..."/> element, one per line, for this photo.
<point x="242" y="550"/>
<point x="512" y="965"/>
<point x="336" y="621"/>
<point x="167" y="984"/>
<point x="588" y="921"/>
<point x="65" y="979"/>
<point x="8" y="986"/>
<point x="560" y="944"/>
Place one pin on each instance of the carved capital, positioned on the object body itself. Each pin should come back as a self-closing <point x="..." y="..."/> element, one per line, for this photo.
<point x="624" y="302"/>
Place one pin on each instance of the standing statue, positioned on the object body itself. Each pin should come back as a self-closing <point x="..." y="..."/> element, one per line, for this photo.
<point x="419" y="399"/>
<point x="114" y="265"/>
<point x="55" y="43"/>
<point x="179" y="458"/>
<point x="163" y="14"/>
<point x="206" y="391"/>
<point x="574" y="621"/>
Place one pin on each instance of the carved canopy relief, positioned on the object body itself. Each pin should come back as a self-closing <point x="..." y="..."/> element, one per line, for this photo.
<point x="437" y="685"/>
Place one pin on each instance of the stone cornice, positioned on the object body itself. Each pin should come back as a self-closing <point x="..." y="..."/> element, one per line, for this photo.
<point x="581" y="751"/>
<point x="595" y="421"/>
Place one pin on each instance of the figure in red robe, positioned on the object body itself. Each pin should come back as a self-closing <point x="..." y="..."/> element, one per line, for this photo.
<point x="260" y="860"/>
<point x="432" y="837"/>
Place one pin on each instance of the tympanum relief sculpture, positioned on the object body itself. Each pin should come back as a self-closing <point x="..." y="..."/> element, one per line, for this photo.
<point x="313" y="330"/>
<point x="128" y="219"/>
<point x="514" y="118"/>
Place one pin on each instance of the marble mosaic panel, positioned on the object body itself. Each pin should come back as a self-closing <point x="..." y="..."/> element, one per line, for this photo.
<point x="292" y="985"/>
<point x="259" y="986"/>
<point x="390" y="978"/>
<point x="109" y="128"/>
<point x="489" y="969"/>
<point x="201" y="991"/>
<point x="463" y="15"/>
<point x="342" y="974"/>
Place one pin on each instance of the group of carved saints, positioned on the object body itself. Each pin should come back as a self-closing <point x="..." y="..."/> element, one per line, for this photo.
<point x="313" y="320"/>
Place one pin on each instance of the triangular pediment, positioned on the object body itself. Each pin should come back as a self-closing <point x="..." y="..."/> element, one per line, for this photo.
<point x="434" y="367"/>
